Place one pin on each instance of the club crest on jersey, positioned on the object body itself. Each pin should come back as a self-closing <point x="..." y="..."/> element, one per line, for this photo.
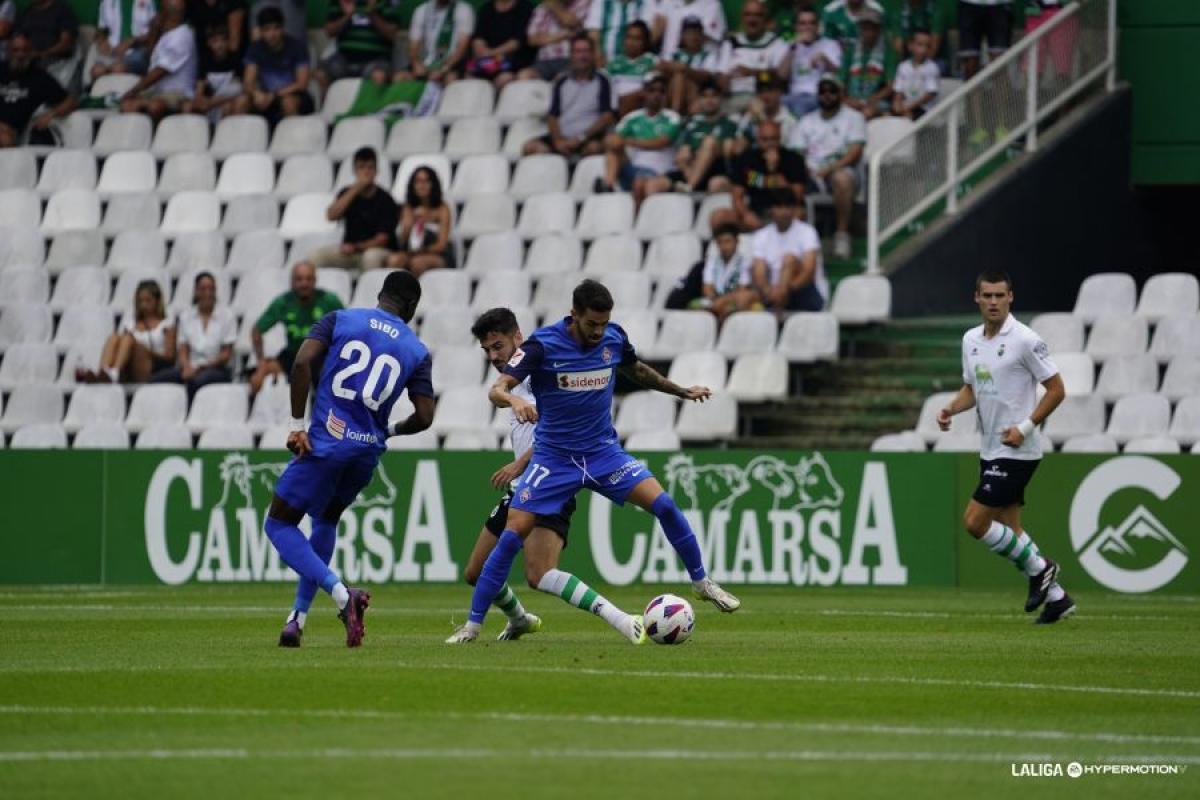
<point x="1000" y="353"/>
<point x="517" y="358"/>
<point x="606" y="354"/>
<point x="335" y="426"/>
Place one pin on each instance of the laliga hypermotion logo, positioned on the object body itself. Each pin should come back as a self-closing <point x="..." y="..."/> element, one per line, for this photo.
<point x="1140" y="554"/>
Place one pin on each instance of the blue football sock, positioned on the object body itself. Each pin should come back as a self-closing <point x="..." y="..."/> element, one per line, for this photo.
<point x="322" y="541"/>
<point x="679" y="534"/>
<point x="494" y="575"/>
<point x="298" y="554"/>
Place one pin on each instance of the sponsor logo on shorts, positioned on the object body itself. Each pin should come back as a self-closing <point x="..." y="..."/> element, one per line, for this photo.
<point x="630" y="469"/>
<point x="335" y="426"/>
<point x="525" y="495"/>
<point x="994" y="471"/>
<point x="591" y="381"/>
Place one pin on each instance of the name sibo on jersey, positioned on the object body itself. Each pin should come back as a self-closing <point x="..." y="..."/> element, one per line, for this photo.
<point x="591" y="381"/>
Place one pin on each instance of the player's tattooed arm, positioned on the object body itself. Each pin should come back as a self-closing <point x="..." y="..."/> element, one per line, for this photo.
<point x="648" y="377"/>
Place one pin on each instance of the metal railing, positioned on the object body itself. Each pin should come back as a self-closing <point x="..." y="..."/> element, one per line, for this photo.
<point x="977" y="125"/>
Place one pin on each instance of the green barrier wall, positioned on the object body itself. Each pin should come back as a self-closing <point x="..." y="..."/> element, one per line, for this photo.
<point x="782" y="518"/>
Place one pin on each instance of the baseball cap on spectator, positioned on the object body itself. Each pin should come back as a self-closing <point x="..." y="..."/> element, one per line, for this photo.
<point x="766" y="79"/>
<point x="830" y="79"/>
<point x="869" y="15"/>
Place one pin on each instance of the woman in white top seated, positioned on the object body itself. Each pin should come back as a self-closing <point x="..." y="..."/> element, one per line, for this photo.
<point x="206" y="336"/>
<point x="144" y="344"/>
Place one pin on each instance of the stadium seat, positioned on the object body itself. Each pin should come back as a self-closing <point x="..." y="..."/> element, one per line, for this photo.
<point x="102" y="436"/>
<point x="1090" y="443"/>
<point x="1078" y="415"/>
<point x="457" y="366"/>
<point x="618" y="252"/>
<point x="490" y="251"/>
<point x="1124" y="335"/>
<point x="94" y="403"/>
<point x="883" y="132"/>
<point x="344" y="175"/>
<point x="1078" y="372"/>
<point x="80" y="286"/>
<point x="521" y="132"/>
<point x="300" y="174"/>
<point x="1177" y="335"/>
<point x="305" y="213"/>
<point x="746" y="332"/>
<point x="1152" y="445"/>
<point x="630" y="290"/>
<point x="198" y="250"/>
<point x="810" y="336"/>
<point x="466" y="98"/>
<point x="958" y="443"/>
<point x="671" y="255"/>
<point x="664" y="213"/>
<point x="444" y="287"/>
<point x="501" y="288"/>
<point x="257" y="289"/>
<point x="226" y="437"/>
<point x="122" y="299"/>
<point x="683" y="331"/>
<point x="904" y="442"/>
<point x="1105" y="294"/>
<point x="523" y="98"/>
<point x="303" y="245"/>
<point x="31" y="403"/>
<point x="425" y="440"/>
<point x="353" y="133"/>
<point x="538" y="174"/>
<point x="1182" y="378"/>
<point x="709" y="204"/>
<point x="127" y="212"/>
<point x="26" y="363"/>
<point x="645" y="411"/>
<point x="339" y="97"/>
<point x="85" y="355"/>
<point x="653" y="441"/>
<point x="180" y="133"/>
<point x="960" y="424"/>
<point x="191" y="212"/>
<point x="82" y="324"/>
<point x="475" y="136"/>
<point x="603" y="214"/>
<point x="552" y="297"/>
<point x="18" y="169"/>
<point x="465" y="408"/>
<point x="73" y="248"/>
<point x="583" y="179"/>
<point x="862" y="299"/>
<point x="71" y="209"/>
<point x="164" y="436"/>
<point x="25" y="323"/>
<point x="246" y="174"/>
<point x="301" y="134"/>
<point x="127" y="173"/>
<point x="709" y="421"/>
<point x="640" y="325"/>
<point x="447" y="326"/>
<point x="250" y="212"/>
<point x="218" y="404"/>
<point x="335" y="280"/>
<point x="67" y="169"/>
<point x="478" y="439"/>
<point x="240" y="133"/>
<point x="274" y="438"/>
<point x="1185" y="422"/>
<point x="255" y="250"/>
<point x="20" y="208"/>
<point x="757" y="377"/>
<point x="21" y="285"/>
<point x="113" y="85"/>
<point x="526" y="319"/>
<point x="1168" y="294"/>
<point x="484" y="174"/>
<point x="1138" y="415"/>
<point x="157" y="404"/>
<point x="437" y="162"/>
<point x="698" y="368"/>
<point x="487" y="213"/>
<point x="40" y="436"/>
<point x="75" y="131"/>
<point x="272" y="407"/>
<point x="1124" y="375"/>
<point x="410" y="137"/>
<point x="20" y="245"/>
<point x="546" y="214"/>
<point x="367" y="288"/>
<point x="1062" y="333"/>
<point x="553" y="252"/>
<point x="122" y="132"/>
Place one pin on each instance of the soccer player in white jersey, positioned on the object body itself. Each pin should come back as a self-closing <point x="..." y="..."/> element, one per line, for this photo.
<point x="1003" y="363"/>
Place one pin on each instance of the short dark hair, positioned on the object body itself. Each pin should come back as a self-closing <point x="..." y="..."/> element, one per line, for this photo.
<point x="582" y="37"/>
<point x="495" y="320"/>
<point x="709" y="86"/>
<point x="640" y="26"/>
<point x="591" y="296"/>
<point x="269" y="15"/>
<point x="993" y="276"/>
<point x="216" y="30"/>
<point x="365" y="154"/>
<point x="917" y="31"/>
<point x="782" y="197"/>
<point x="726" y="228"/>
<point x="401" y="287"/>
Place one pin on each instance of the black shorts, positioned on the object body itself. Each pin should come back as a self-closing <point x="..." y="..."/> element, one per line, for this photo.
<point x="976" y="23"/>
<point x="560" y="523"/>
<point x="1002" y="481"/>
<point x="715" y="170"/>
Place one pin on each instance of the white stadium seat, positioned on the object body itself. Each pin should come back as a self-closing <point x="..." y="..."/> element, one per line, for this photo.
<point x="82" y="324"/>
<point x="20" y="208"/>
<point x="274" y="437"/>
<point x="156" y="404"/>
<point x="226" y="437"/>
<point x="490" y="251"/>
<point x="123" y="132"/>
<point x="40" y="436"/>
<point x="304" y="174"/>
<point x="958" y="443"/>
<point x="1090" y="443"/>
<point x="336" y="281"/>
<point x="444" y="287"/>
<point x="884" y="131"/>
<point x="353" y="133"/>
<point x="455" y="367"/>
<point x="27" y="322"/>
<point x="640" y="325"/>
<point x="113" y="84"/>
<point x="709" y="421"/>
<point x="302" y="134"/>
<point x="810" y="336"/>
<point x="1113" y="335"/>
<point x="240" y="133"/>
<point x="410" y="137"/>
<point x="475" y="136"/>
<point x="1168" y="294"/>
<point x="137" y="249"/>
<point x="80" y="286"/>
<point x="367" y="288"/>
<point x="1078" y="372"/>
<point x="339" y="97"/>
<point x="603" y="214"/>
<point x="425" y="440"/>
<point x="447" y="326"/>
<point x="1185" y="422"/>
<point x="709" y="204"/>
<point x="466" y="98"/>
<point x="75" y="131"/>
<point x="904" y="442"/>
<point x="1062" y="332"/>
<point x="194" y="251"/>
<point x="302" y="247"/>
<point x="461" y="409"/>
<point x="180" y="133"/>
<point x="255" y="250"/>
<point x="617" y="252"/>
<point x="630" y="290"/>
<point x="481" y="174"/>
<point x="1078" y="415"/>
<point x="1182" y="378"/>
<point x="257" y="289"/>
<point x="71" y="209"/>
<point x="18" y="169"/>
<point x="683" y="331"/>
<point x="247" y="173"/>
<point x="478" y="439"/>
<point x="653" y="441"/>
<point x="84" y="355"/>
<point x="546" y="214"/>
<point x="553" y="252"/>
<point x="24" y="285"/>
<point x="1154" y="445"/>
<point x="27" y="363"/>
<point x="192" y="212"/>
<point x="552" y="297"/>
<point x="1177" y="335"/>
<point x="1139" y="415"/>
<point x="250" y="212"/>
<point x="272" y="406"/>
<point x="960" y="424"/>
<point x="218" y="404"/>
<point x="75" y="248"/>
<point x="672" y="255"/>
<point x="1105" y="294"/>
<point x="1124" y="375"/>
<point x="102" y="436"/>
<point x="747" y="332"/>
<point x="538" y="174"/>
<point x="523" y="98"/>
<point x="67" y="169"/>
<point x="94" y="403"/>
<point x="583" y="179"/>
<point x="164" y="436"/>
<point x="501" y="288"/>
<point x="32" y="403"/>
<point x="757" y="377"/>
<point x="126" y="212"/>
<point x="519" y="133"/>
<point x="862" y="299"/>
<point x="699" y="368"/>
<point x="20" y="246"/>
<point x="664" y="213"/>
<point x="305" y="213"/>
<point x="645" y="411"/>
<point x="128" y="172"/>
<point x="487" y="213"/>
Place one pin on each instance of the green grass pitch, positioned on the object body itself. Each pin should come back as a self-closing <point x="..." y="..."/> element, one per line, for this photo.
<point x="139" y="692"/>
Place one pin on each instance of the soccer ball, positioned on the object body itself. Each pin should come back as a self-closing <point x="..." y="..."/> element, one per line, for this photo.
<point x="669" y="619"/>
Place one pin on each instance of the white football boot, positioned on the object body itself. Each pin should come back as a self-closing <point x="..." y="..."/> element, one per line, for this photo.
<point x="530" y="623"/>
<point x="710" y="590"/>
<point x="464" y="634"/>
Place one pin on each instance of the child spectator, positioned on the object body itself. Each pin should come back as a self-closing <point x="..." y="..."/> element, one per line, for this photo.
<point x="727" y="276"/>
<point x="916" y="84"/>
<point x="869" y="68"/>
<point x="219" y="80"/>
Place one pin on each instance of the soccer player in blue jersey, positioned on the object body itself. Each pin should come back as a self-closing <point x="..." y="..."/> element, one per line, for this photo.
<point x="572" y="367"/>
<point x="365" y="359"/>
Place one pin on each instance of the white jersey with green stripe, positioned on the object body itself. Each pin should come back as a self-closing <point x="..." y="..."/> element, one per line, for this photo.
<point x="609" y="18"/>
<point x="639" y="125"/>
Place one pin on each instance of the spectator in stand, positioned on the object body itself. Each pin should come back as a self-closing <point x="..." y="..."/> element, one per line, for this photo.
<point x="979" y="21"/>
<point x="628" y="71"/>
<point x="700" y="153"/>
<point x="143" y="345"/>
<point x="369" y="214"/>
<point x="276" y="71"/>
<point x="917" y="79"/>
<point x="869" y="69"/>
<point x="8" y="15"/>
<point x="580" y="107"/>
<point x="643" y="145"/>
<point x="205" y="14"/>
<point x="832" y="139"/>
<point x="689" y="66"/>
<point x="24" y="88"/>
<point x="707" y="15"/>
<point x="439" y="37"/>
<point x="51" y="27"/>
<point x="219" y="80"/>
<point x="782" y="15"/>
<point x="295" y="18"/>
<point x="748" y="53"/>
<point x="424" y="226"/>
<point x="606" y="23"/>
<point x="171" y="79"/>
<point x="767" y="107"/>
<point x="788" y="274"/>
<point x="728" y="283"/>
<point x="499" y="49"/>
<point x="364" y="34"/>
<point x="811" y="57"/>
<point x="756" y="175"/>
<point x="122" y="42"/>
<point x="551" y="28"/>
<point x="839" y="20"/>
<point x="920" y="15"/>
<point x="297" y="310"/>
<point x="206" y="333"/>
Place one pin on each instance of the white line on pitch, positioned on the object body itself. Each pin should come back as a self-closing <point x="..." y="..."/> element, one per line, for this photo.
<point x="847" y="612"/>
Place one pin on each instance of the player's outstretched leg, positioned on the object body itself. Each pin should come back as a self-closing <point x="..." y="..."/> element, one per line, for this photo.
<point x="575" y="592"/>
<point x="323" y="539"/>
<point x="487" y="587"/>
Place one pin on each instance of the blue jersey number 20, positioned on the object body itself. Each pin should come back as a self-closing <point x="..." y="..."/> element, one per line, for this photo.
<point x="359" y="356"/>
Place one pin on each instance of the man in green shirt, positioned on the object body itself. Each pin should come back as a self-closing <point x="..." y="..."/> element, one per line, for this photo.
<point x="839" y="20"/>
<point x="699" y="153"/>
<point x="643" y="145"/>
<point x="364" y="32"/>
<point x="869" y="68"/>
<point x="297" y="309"/>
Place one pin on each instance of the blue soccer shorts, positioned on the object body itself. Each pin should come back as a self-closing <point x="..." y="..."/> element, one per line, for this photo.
<point x="551" y="479"/>
<point x="310" y="483"/>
